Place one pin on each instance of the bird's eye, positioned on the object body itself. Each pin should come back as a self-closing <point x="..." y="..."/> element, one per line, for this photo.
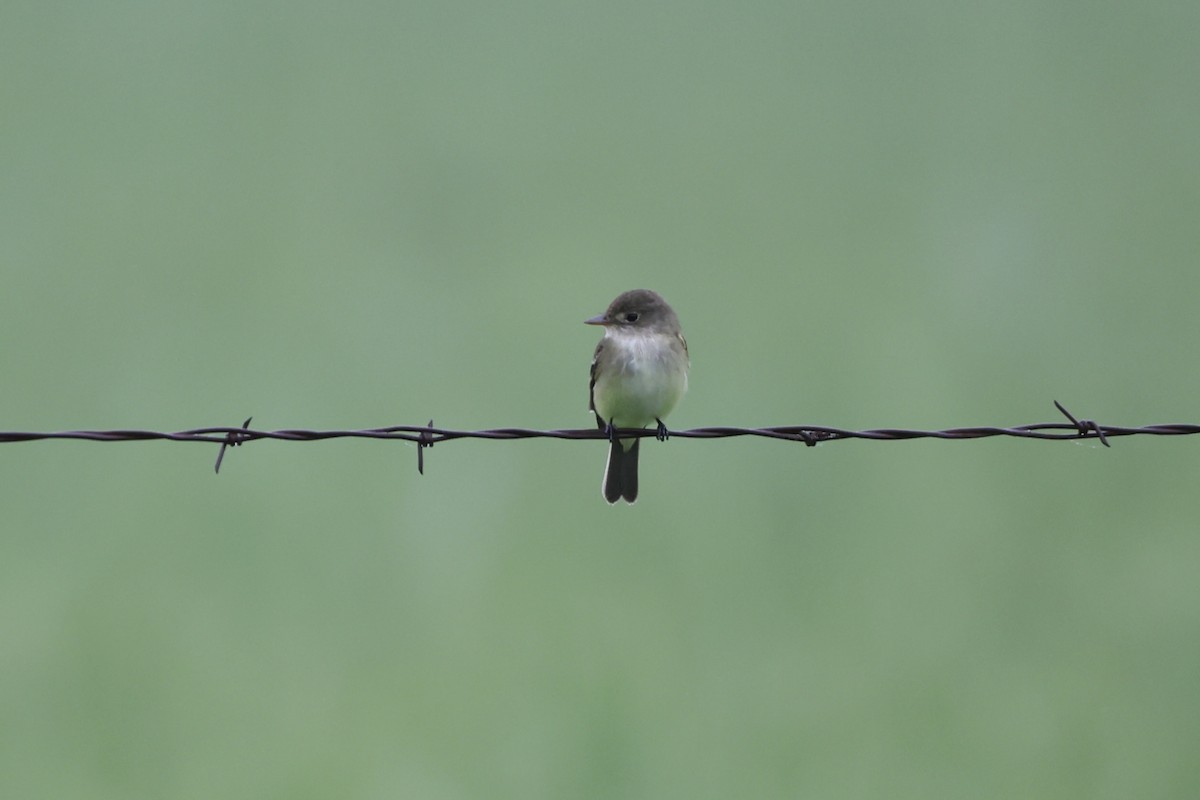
<point x="632" y="316"/>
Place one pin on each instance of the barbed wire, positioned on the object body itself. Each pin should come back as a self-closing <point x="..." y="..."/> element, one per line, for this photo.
<point x="428" y="435"/>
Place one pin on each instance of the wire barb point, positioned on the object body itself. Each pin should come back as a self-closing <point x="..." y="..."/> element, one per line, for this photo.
<point x="231" y="440"/>
<point x="425" y="439"/>
<point x="1084" y="426"/>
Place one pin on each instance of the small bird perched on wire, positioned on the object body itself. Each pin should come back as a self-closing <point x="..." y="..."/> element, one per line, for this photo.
<point x="639" y="372"/>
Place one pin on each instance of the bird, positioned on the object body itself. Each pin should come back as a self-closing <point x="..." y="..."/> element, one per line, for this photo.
<point x="639" y="373"/>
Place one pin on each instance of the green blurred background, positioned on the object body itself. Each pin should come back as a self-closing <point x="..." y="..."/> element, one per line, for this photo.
<point x="926" y="214"/>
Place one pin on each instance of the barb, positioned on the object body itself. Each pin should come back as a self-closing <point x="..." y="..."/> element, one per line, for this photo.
<point x="232" y="440"/>
<point x="427" y="436"/>
<point x="1084" y="426"/>
<point x="423" y="441"/>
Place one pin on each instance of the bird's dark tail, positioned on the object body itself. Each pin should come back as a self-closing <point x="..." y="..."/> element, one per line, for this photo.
<point x="620" y="476"/>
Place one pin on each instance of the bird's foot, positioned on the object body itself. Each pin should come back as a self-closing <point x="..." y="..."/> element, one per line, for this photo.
<point x="662" y="434"/>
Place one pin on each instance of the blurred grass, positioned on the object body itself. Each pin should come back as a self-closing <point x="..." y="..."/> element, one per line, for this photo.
<point x="866" y="215"/>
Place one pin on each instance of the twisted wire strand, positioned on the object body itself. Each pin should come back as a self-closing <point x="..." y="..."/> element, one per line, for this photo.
<point x="428" y="435"/>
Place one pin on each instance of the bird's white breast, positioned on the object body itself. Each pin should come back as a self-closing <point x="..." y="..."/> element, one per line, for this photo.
<point x="643" y="379"/>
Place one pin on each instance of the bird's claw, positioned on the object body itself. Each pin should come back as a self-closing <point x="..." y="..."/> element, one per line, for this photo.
<point x="662" y="434"/>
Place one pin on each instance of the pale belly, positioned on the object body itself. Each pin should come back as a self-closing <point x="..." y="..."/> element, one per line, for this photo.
<point x="645" y="390"/>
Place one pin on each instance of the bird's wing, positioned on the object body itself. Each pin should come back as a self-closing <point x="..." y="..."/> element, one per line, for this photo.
<point x="592" y="385"/>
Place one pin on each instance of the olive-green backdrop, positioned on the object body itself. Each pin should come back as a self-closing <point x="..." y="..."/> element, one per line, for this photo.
<point x="876" y="214"/>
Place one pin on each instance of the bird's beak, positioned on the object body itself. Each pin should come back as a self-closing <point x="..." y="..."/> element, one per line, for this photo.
<point x="599" y="320"/>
